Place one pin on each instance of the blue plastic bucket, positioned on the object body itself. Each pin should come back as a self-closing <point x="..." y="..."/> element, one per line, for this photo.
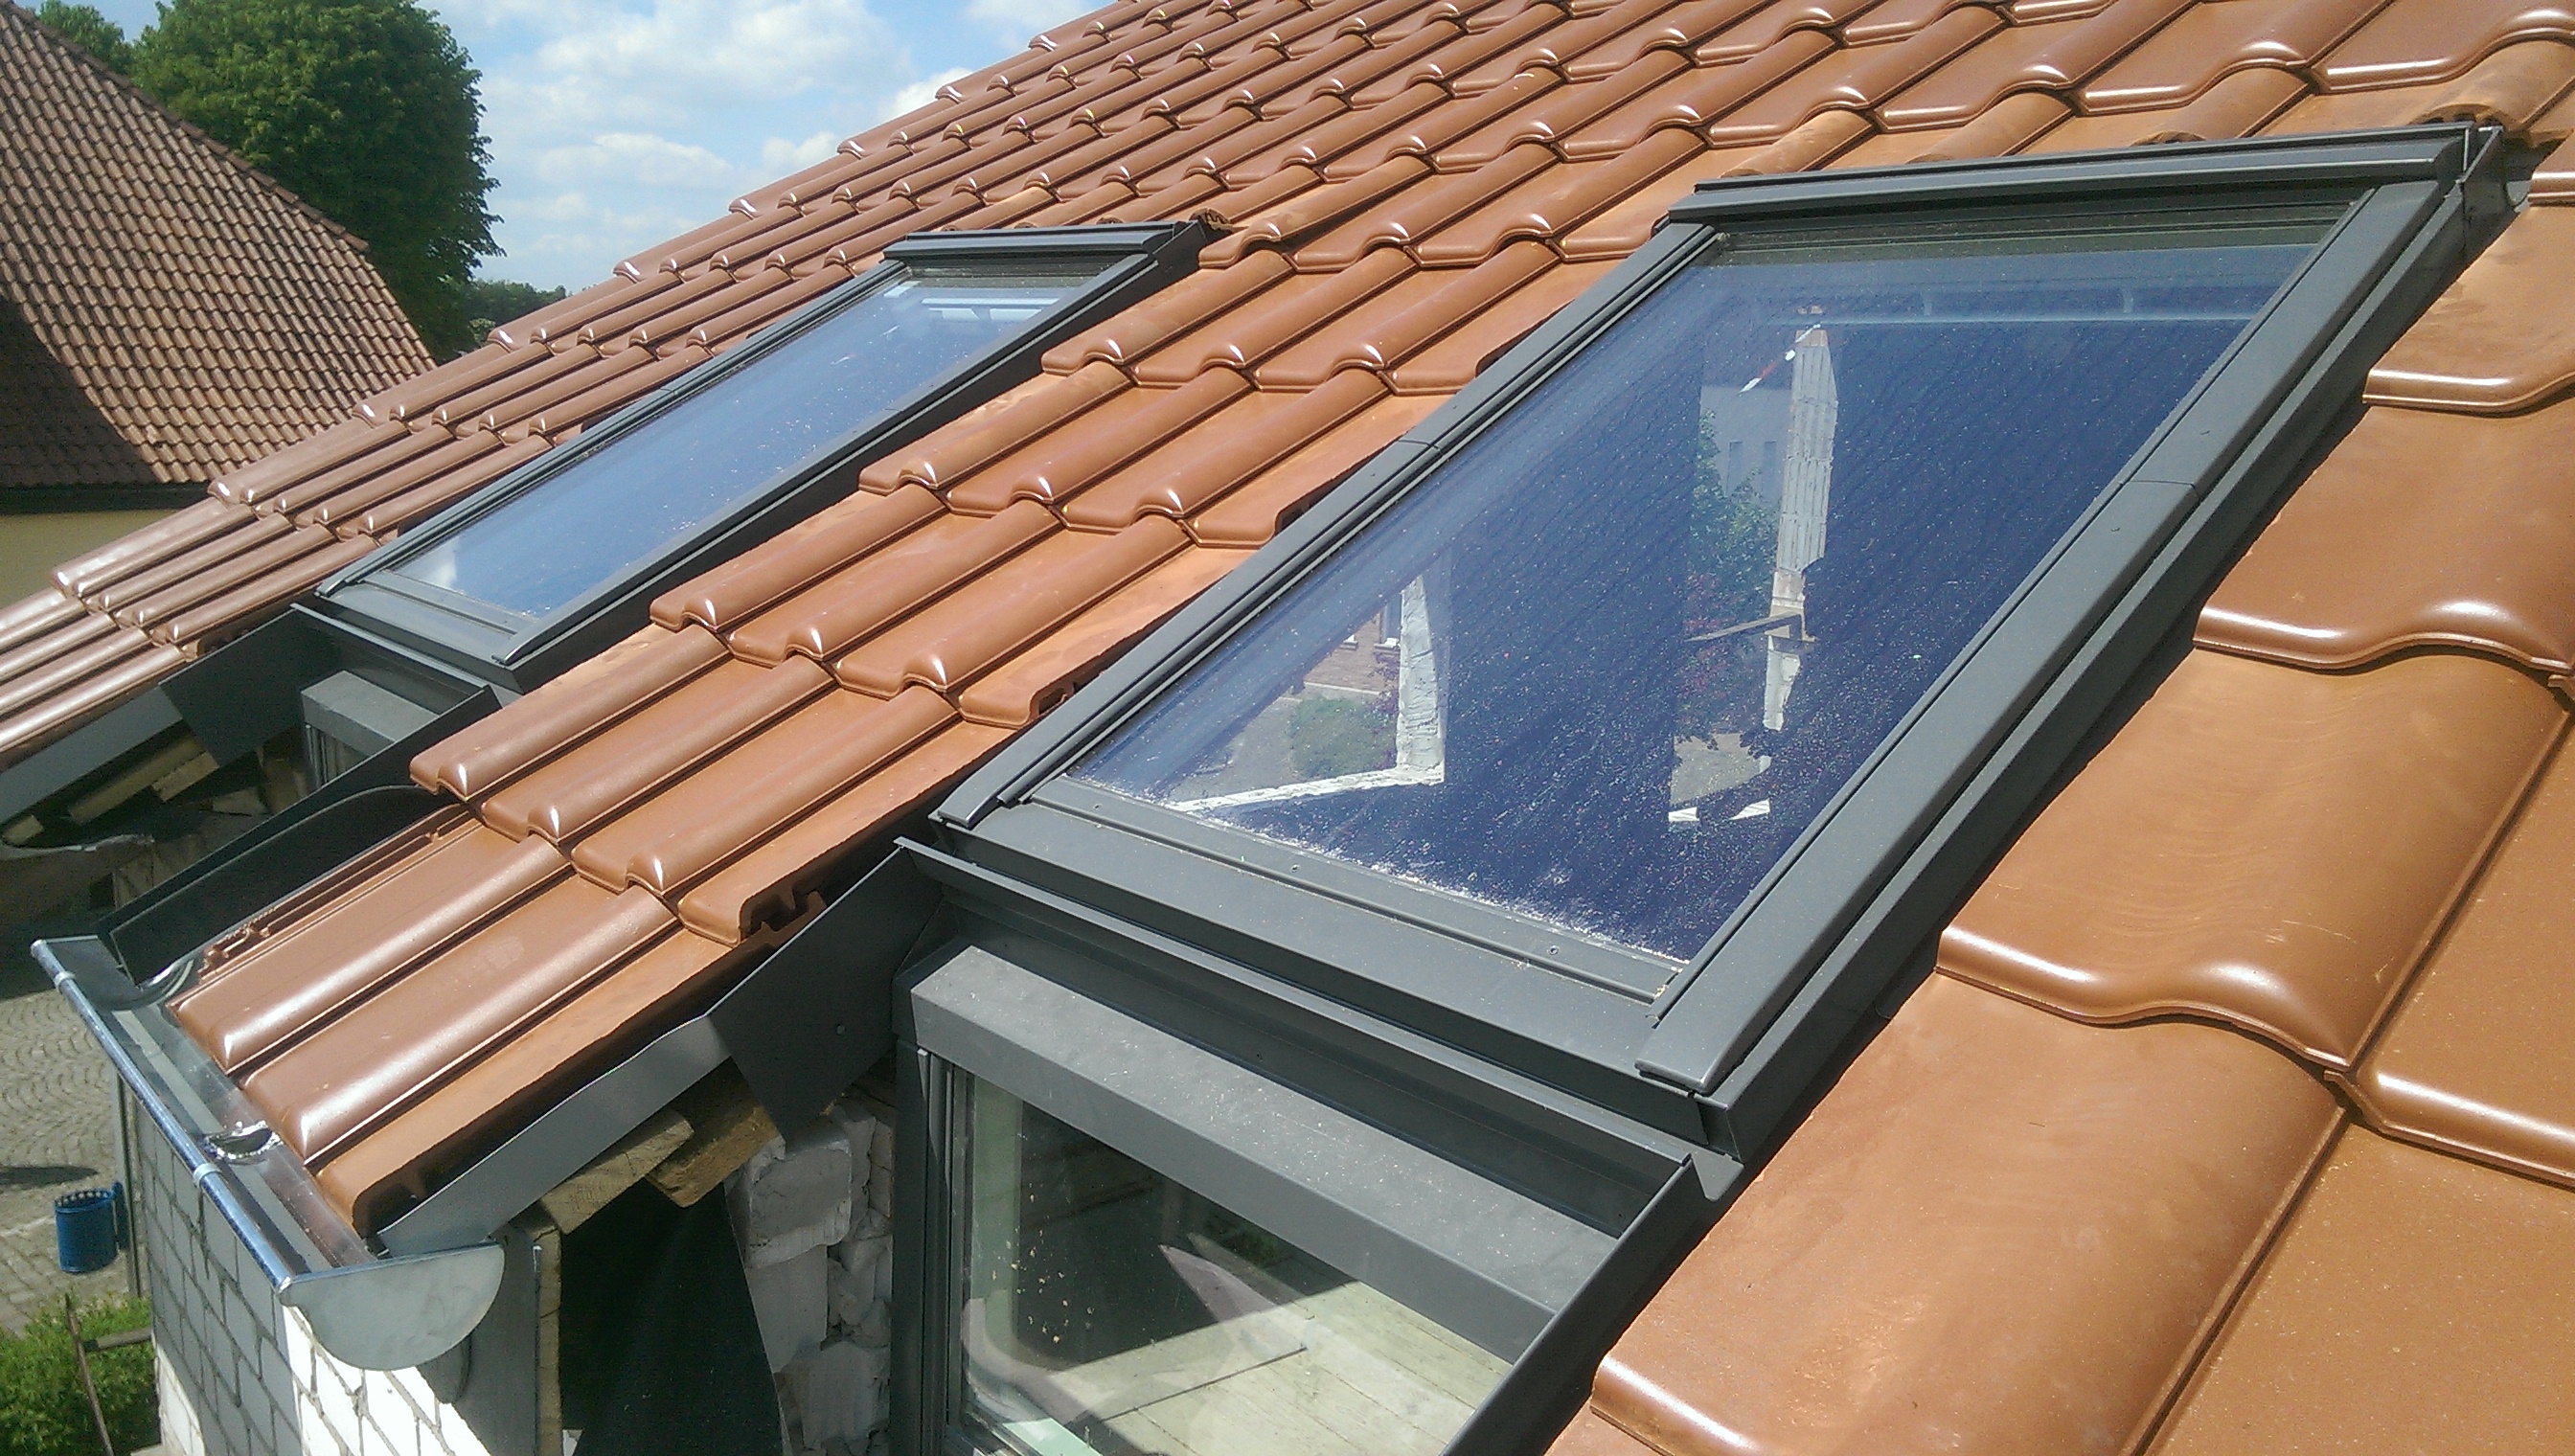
<point x="85" y="1229"/>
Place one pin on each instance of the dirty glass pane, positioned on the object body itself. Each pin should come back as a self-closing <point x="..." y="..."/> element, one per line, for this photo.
<point x="1603" y="666"/>
<point x="620" y="504"/>
<point x="1106" y="1310"/>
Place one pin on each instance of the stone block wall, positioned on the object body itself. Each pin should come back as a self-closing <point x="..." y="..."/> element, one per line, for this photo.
<point x="240" y="1374"/>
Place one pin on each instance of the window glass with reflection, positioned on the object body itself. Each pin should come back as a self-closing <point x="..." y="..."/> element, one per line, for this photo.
<point x="1108" y="1310"/>
<point x="620" y="504"/>
<point x="1606" y="663"/>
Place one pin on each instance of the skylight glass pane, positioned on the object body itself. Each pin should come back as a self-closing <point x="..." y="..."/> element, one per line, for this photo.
<point x="1606" y="664"/>
<point x="1108" y="1310"/>
<point x="619" y="506"/>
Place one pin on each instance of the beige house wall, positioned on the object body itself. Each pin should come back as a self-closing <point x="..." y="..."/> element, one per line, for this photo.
<point x="31" y="545"/>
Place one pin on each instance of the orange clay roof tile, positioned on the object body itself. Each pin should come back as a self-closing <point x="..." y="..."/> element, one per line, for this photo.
<point x="2116" y="1182"/>
<point x="960" y="639"/>
<point x="1857" y="79"/>
<point x="701" y="822"/>
<point x="2364" y="562"/>
<point x="2416" y="1302"/>
<point x="2054" y="57"/>
<point x="650" y="748"/>
<point x="345" y="1077"/>
<point x="2209" y="43"/>
<point x="2512" y="88"/>
<point x="550" y="1057"/>
<point x="1244" y="440"/>
<point x="2196" y="908"/>
<point x="2474" y="1061"/>
<point x="2496" y="342"/>
<point x="577" y="705"/>
<point x="2415" y="41"/>
<point x="262" y="999"/>
<point x="890" y="582"/>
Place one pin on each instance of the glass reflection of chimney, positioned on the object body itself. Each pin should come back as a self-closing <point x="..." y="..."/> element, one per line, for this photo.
<point x="1806" y="492"/>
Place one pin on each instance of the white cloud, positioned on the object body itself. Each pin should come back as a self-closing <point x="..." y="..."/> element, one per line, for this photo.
<point x="778" y="156"/>
<point x="919" y="94"/>
<point x="1013" y="21"/>
<point x="618" y="123"/>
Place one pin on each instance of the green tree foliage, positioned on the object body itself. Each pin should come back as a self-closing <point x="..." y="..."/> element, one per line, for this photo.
<point x="42" y="1409"/>
<point x="90" y="30"/>
<point x="366" y="107"/>
<point x="492" y="302"/>
<point x="1331" y="736"/>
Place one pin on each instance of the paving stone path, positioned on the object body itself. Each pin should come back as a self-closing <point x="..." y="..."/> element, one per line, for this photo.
<point x="57" y="1133"/>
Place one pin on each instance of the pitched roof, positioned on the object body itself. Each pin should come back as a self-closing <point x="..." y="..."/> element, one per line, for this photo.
<point x="2239" y="1114"/>
<point x="1411" y="188"/>
<point x="166" y="311"/>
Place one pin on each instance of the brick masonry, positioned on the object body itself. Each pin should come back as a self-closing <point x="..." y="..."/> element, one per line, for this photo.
<point x="239" y="1375"/>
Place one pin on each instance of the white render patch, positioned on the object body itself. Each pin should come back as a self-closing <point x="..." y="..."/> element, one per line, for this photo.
<point x="810" y="1211"/>
<point x="240" y="1374"/>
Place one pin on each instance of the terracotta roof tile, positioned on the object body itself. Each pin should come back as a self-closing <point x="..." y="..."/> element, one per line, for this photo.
<point x="1859" y="78"/>
<point x="649" y="747"/>
<point x="2513" y="88"/>
<point x="2196" y="909"/>
<point x="889" y="583"/>
<point x="765" y="885"/>
<point x="2415" y="41"/>
<point x="2055" y="57"/>
<point x="2363" y="561"/>
<point x="550" y="1057"/>
<point x="2207" y="43"/>
<point x="2115" y="1182"/>
<point x="2495" y="343"/>
<point x="186" y="313"/>
<point x="2416" y="1302"/>
<point x="245" y="1008"/>
<point x="2242" y="104"/>
<point x="349" y="1074"/>
<point x="963" y="637"/>
<point x="701" y="822"/>
<point x="581" y="702"/>
<point x="2474" y="1060"/>
<point x="1244" y="438"/>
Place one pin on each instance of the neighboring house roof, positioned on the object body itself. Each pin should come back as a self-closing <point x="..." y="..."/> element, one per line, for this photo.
<point x="167" y="313"/>
<point x="1412" y="189"/>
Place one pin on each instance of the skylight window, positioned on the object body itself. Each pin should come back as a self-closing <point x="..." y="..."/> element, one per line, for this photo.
<point x="563" y="556"/>
<point x="1608" y="661"/>
<point x="666" y="478"/>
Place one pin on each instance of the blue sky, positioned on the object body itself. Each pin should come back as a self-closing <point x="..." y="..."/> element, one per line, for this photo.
<point x="618" y="123"/>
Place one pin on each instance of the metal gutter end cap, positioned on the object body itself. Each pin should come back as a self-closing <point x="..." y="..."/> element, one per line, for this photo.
<point x="398" y="1312"/>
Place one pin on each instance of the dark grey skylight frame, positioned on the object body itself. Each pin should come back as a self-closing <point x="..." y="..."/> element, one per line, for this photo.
<point x="1217" y="936"/>
<point x="1722" y="1050"/>
<point x="454" y="667"/>
<point x="518" y="650"/>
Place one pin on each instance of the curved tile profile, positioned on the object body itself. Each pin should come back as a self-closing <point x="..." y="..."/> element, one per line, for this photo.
<point x="2497" y="341"/>
<point x="2209" y="43"/>
<point x="2370" y="556"/>
<point x="2414" y="41"/>
<point x="2211" y="859"/>
<point x="2415" y="1303"/>
<point x="2475" y="1059"/>
<point x="2001" y="1231"/>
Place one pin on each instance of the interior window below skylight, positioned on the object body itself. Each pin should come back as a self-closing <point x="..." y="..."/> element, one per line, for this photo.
<point x="620" y="504"/>
<point x="1109" y="1310"/>
<point x="1604" y="664"/>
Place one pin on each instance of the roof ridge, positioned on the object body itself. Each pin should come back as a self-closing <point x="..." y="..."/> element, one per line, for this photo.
<point x="82" y="55"/>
